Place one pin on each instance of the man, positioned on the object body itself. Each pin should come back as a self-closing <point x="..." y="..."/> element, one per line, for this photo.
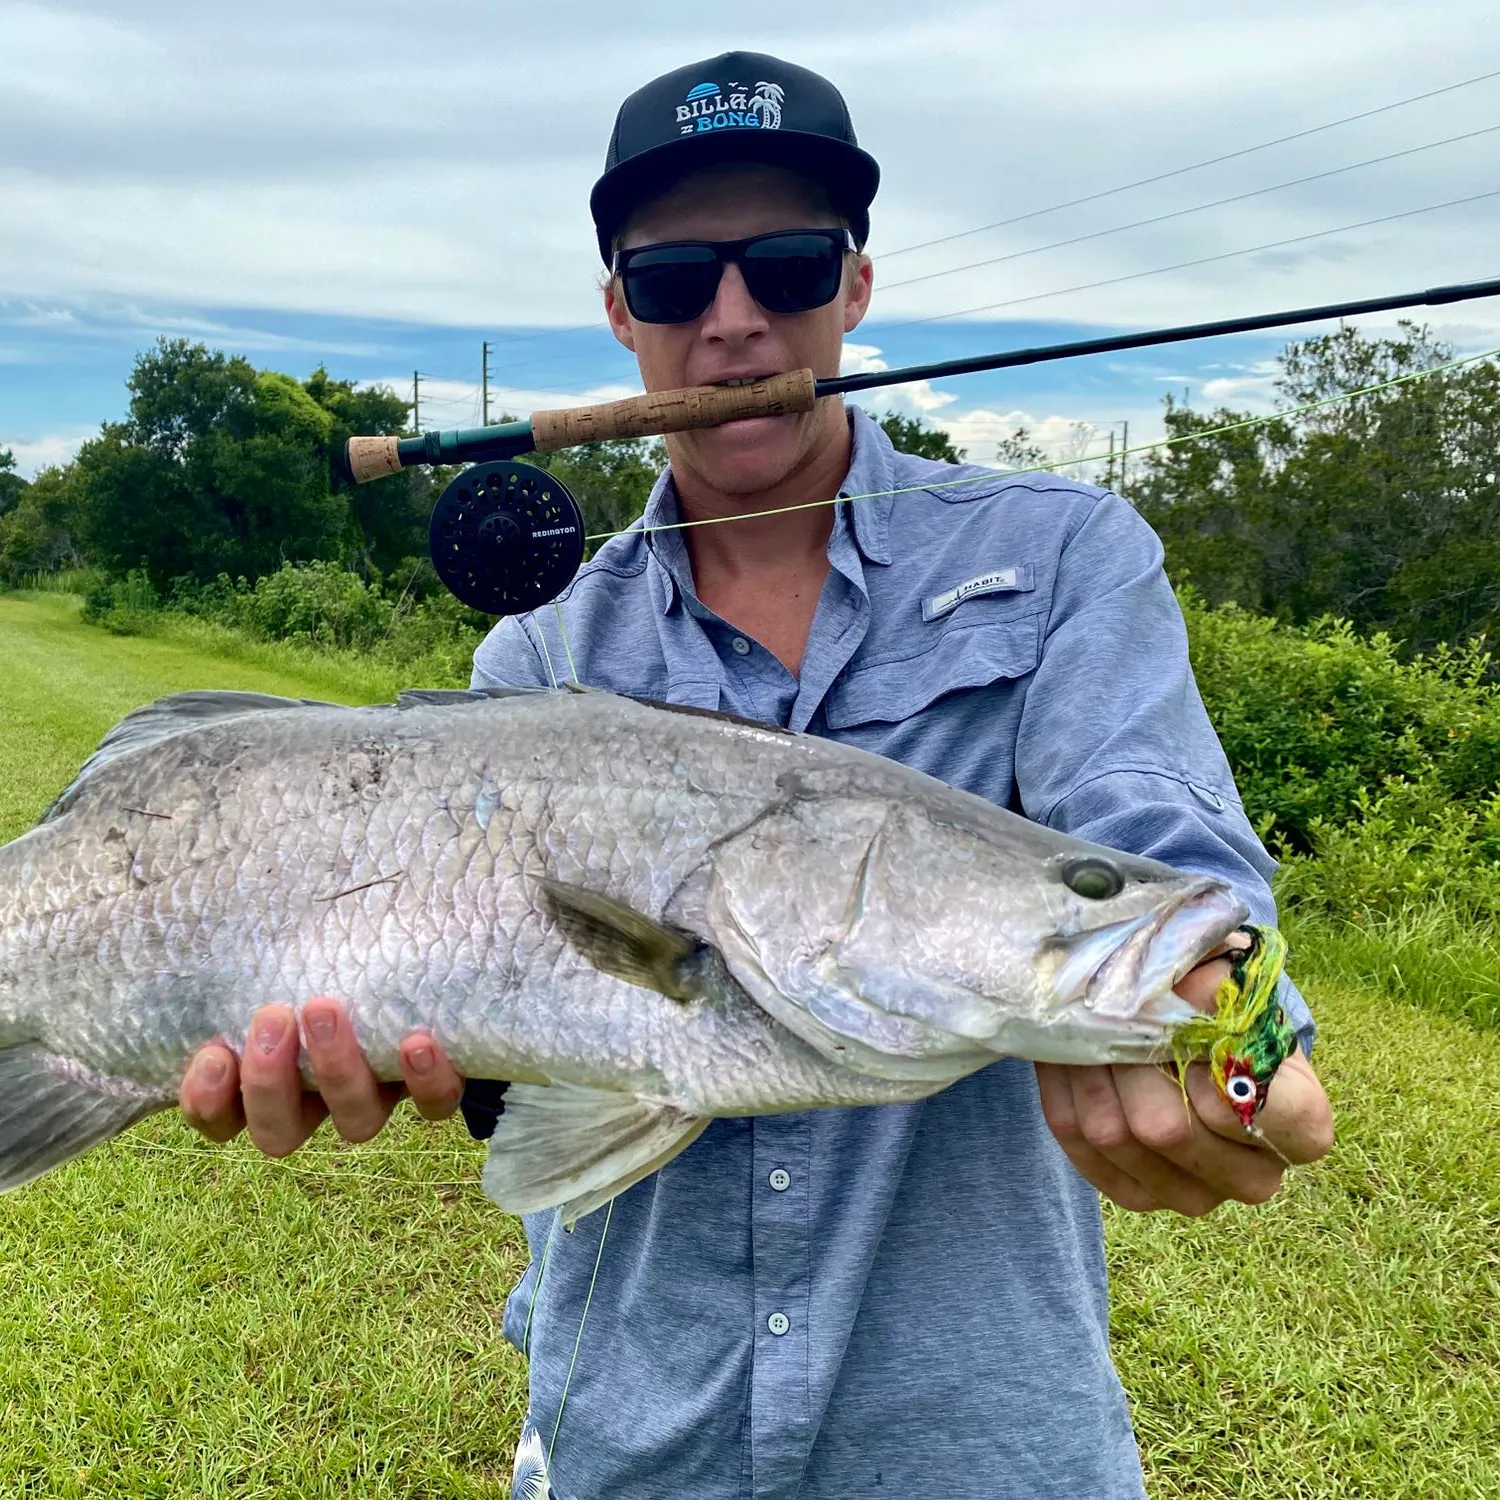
<point x="908" y="1299"/>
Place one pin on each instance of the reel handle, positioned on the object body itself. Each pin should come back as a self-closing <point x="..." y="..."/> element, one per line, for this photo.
<point x="658" y="412"/>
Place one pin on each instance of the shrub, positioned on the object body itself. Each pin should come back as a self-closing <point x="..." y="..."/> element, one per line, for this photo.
<point x="1316" y="721"/>
<point x="123" y="606"/>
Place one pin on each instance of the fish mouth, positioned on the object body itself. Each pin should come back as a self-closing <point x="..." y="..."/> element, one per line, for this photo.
<point x="1128" y="970"/>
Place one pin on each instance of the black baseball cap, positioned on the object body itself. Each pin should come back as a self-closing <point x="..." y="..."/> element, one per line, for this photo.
<point x="739" y="106"/>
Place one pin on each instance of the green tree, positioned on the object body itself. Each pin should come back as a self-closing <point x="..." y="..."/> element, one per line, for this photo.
<point x="1019" y="451"/>
<point x="390" y="516"/>
<point x="1383" y="510"/>
<point x="217" y="468"/>
<point x="11" y="483"/>
<point x="36" y="533"/>
<point x="913" y="435"/>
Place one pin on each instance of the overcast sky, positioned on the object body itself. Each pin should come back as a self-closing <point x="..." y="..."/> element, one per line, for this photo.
<point x="380" y="187"/>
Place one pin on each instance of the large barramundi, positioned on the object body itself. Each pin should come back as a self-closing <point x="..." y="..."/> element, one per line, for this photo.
<point x="645" y="917"/>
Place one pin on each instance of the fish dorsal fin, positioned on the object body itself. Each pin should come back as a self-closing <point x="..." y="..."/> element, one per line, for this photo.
<point x="711" y="713"/>
<point x="448" y="697"/>
<point x="164" y="719"/>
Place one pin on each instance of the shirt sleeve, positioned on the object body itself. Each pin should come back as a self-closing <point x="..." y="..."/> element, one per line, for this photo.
<point x="1115" y="744"/>
<point x="508" y="657"/>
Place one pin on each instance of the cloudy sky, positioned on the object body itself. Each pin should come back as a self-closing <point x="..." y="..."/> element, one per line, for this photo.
<point x="381" y="187"/>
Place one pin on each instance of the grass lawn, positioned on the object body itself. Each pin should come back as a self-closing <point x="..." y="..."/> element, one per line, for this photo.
<point x="179" y="1319"/>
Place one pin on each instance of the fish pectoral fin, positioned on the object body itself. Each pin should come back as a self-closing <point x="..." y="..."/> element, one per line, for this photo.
<point x="620" y="941"/>
<point x="562" y="1146"/>
<point x="52" y="1110"/>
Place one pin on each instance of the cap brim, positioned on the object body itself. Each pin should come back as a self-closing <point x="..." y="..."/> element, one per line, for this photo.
<point x="850" y="175"/>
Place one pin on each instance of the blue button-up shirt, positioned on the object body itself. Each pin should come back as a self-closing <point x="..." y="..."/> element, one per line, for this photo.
<point x="908" y="1299"/>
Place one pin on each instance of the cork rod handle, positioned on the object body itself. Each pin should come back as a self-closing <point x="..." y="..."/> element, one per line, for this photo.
<point x="674" y="411"/>
<point x="371" y="457"/>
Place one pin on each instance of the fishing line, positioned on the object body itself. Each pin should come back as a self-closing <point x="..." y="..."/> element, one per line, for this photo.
<point x="990" y="475"/>
<point x="547" y="655"/>
<point x="562" y="630"/>
<point x="568" y="1381"/>
<point x="536" y="1292"/>
<point x="1182" y="213"/>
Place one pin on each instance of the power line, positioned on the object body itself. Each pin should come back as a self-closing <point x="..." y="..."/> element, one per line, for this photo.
<point x="1212" y="161"/>
<point x="1181" y="213"/>
<point x="1204" y="260"/>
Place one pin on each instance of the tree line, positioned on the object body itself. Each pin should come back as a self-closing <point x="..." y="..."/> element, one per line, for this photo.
<point x="1383" y="510"/>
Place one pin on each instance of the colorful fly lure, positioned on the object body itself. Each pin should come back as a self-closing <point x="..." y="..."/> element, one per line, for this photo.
<point x="1249" y="1037"/>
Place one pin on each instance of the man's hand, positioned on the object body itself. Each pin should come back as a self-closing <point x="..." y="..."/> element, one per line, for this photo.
<point x="223" y="1095"/>
<point x="1126" y="1129"/>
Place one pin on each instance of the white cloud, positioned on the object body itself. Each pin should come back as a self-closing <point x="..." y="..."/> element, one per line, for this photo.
<point x="35" y="454"/>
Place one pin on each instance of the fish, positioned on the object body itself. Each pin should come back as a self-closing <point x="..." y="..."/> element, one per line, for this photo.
<point x="644" y="916"/>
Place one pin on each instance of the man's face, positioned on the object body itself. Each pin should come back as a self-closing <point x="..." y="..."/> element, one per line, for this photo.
<point x="736" y="337"/>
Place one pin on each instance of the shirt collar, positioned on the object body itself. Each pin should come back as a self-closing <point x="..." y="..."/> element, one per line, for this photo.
<point x="872" y="471"/>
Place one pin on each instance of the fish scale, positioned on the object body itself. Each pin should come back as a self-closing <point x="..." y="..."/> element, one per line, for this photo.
<point x="635" y="914"/>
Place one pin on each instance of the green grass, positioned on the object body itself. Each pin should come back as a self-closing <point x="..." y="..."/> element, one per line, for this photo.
<point x="184" y="1320"/>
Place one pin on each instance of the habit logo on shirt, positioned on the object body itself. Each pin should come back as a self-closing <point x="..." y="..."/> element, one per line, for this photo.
<point x="997" y="581"/>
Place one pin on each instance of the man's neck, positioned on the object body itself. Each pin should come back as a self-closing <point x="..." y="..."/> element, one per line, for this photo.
<point x="763" y="571"/>
<point x="766" y="537"/>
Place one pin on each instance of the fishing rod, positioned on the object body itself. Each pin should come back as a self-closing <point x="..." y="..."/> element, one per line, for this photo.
<point x="507" y="536"/>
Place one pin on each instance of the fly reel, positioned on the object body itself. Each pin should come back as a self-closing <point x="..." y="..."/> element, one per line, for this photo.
<point x="506" y="537"/>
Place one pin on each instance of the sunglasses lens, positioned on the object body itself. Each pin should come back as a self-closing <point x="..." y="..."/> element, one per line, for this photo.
<point x="672" y="285"/>
<point x="792" y="273"/>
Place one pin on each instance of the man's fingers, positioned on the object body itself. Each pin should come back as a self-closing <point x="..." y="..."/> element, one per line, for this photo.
<point x="1170" y="1131"/>
<point x="278" y="1113"/>
<point x="209" y="1096"/>
<point x="1297" y="1121"/>
<point x="358" y="1102"/>
<point x="1085" y="1113"/>
<point x="432" y="1084"/>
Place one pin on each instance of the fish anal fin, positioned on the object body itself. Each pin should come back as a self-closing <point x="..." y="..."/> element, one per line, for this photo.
<point x="52" y="1109"/>
<point x="563" y="1146"/>
<point x="619" y="940"/>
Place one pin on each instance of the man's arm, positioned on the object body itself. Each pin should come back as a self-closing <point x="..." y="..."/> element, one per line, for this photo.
<point x="262" y="1091"/>
<point x="1115" y="746"/>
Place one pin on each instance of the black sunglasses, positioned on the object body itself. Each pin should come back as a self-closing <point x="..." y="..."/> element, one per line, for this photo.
<point x="786" y="271"/>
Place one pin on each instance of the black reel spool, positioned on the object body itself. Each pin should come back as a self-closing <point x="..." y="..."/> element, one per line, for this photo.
<point x="506" y="537"/>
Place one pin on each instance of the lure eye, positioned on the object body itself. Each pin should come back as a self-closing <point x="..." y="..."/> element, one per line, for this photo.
<point x="1095" y="879"/>
<point x="1240" y="1089"/>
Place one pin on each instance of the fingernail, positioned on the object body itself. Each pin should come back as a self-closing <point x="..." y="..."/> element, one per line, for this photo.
<point x="421" y="1060"/>
<point x="212" y="1069"/>
<point x="268" y="1034"/>
<point x="321" y="1025"/>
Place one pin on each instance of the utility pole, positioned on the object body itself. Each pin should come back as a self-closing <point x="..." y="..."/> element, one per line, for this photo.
<point x="416" y="402"/>
<point x="1109" y="463"/>
<point x="1124" y="451"/>
<point x="485" y="383"/>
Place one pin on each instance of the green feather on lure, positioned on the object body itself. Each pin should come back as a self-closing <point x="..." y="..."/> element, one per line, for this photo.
<point x="1249" y="1036"/>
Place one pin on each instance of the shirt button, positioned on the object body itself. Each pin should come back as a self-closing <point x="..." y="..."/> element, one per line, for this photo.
<point x="780" y="1181"/>
<point x="741" y="645"/>
<point x="778" y="1323"/>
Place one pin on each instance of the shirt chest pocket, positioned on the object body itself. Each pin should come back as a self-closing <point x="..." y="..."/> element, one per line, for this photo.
<point x="973" y="657"/>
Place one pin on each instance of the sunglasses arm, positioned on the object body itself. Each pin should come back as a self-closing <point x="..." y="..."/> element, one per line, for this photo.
<point x="651" y="415"/>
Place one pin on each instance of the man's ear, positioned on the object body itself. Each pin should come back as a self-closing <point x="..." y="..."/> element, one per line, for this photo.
<point x="858" y="284"/>
<point x="618" y="314"/>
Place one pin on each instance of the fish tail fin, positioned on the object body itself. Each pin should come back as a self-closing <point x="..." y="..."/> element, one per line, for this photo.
<point x="53" y="1109"/>
<point x="561" y="1145"/>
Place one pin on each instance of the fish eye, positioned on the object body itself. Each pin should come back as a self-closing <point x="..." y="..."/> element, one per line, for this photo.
<point x="1093" y="878"/>
<point x="1240" y="1088"/>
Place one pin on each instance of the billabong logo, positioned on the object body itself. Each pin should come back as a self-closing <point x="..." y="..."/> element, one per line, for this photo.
<point x="708" y="107"/>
